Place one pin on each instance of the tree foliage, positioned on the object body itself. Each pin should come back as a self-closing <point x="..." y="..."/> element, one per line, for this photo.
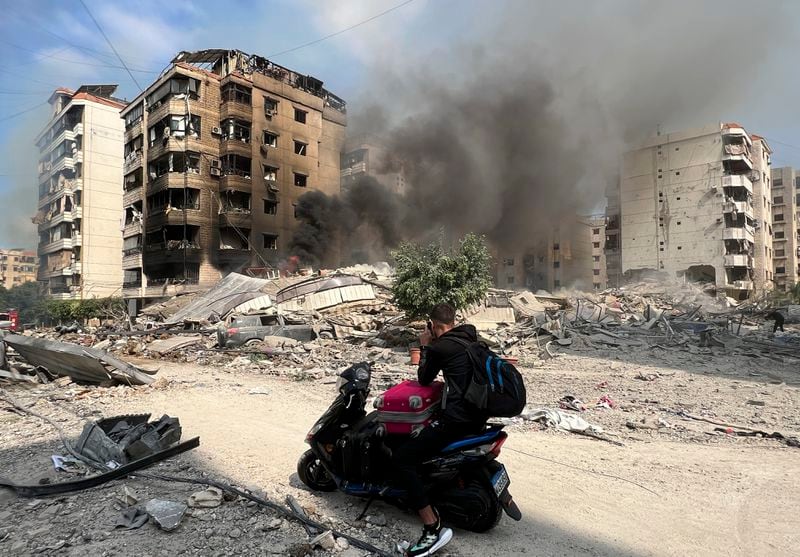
<point x="428" y="275"/>
<point x="36" y="308"/>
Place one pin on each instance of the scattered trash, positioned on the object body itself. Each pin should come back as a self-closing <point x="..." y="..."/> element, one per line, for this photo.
<point x="132" y="518"/>
<point x="67" y="464"/>
<point x="570" y="402"/>
<point x="605" y="401"/>
<point x="325" y="540"/>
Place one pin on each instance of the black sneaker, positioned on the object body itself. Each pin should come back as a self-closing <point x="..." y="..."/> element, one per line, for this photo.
<point x="434" y="537"/>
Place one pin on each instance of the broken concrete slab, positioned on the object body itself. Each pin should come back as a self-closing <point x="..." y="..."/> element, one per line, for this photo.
<point x="166" y="514"/>
<point x="78" y="362"/>
<point x="167" y="345"/>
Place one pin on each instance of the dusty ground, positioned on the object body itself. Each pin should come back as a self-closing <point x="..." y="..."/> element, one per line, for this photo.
<point x="699" y="493"/>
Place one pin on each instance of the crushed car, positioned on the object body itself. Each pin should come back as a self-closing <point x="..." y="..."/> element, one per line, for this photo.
<point x="250" y="329"/>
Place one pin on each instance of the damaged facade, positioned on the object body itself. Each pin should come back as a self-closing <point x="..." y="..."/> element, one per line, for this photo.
<point x="217" y="151"/>
<point x="697" y="205"/>
<point x="785" y="222"/>
<point x="367" y="155"/>
<point x="570" y="256"/>
<point x="80" y="172"/>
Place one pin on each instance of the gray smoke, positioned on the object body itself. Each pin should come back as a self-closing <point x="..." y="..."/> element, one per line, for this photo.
<point x="523" y="127"/>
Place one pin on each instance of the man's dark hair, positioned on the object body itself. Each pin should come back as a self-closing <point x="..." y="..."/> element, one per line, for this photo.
<point x="443" y="313"/>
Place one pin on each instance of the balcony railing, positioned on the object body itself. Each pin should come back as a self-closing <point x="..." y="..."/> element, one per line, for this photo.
<point x="739" y="233"/>
<point x="132" y="251"/>
<point x="742" y="207"/>
<point x="741" y="284"/>
<point x="738" y="260"/>
<point x="737" y="181"/>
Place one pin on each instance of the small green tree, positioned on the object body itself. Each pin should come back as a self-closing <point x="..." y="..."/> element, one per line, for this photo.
<point x="428" y="275"/>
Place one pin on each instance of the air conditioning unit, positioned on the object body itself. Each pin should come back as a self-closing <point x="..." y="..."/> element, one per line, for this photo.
<point x="215" y="171"/>
<point x="273" y="187"/>
<point x="264" y="148"/>
<point x="269" y="112"/>
<point x="216" y="130"/>
<point x="215" y="163"/>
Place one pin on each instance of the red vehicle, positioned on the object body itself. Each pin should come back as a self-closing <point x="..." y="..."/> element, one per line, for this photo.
<point x="9" y="320"/>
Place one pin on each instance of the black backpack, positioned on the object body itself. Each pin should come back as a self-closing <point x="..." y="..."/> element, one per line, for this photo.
<point x="496" y="387"/>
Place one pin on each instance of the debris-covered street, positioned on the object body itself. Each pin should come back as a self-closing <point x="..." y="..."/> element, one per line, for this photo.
<point x="641" y="437"/>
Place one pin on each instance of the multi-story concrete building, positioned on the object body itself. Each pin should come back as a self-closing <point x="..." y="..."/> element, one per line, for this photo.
<point x="697" y="204"/>
<point x="597" y="230"/>
<point x="80" y="194"/>
<point x="17" y="266"/>
<point x="570" y="256"/>
<point x="368" y="156"/>
<point x="785" y="226"/>
<point x="217" y="152"/>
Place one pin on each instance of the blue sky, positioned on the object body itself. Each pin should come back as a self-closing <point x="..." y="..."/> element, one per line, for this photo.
<point x="735" y="62"/>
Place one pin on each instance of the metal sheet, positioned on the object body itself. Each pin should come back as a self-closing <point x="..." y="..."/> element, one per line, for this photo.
<point x="232" y="291"/>
<point x="79" y="362"/>
<point x="256" y="304"/>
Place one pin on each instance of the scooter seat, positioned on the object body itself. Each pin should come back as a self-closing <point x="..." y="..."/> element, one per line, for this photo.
<point x="472" y="440"/>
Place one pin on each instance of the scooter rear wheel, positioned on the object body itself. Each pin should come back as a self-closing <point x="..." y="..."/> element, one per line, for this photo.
<point x="313" y="474"/>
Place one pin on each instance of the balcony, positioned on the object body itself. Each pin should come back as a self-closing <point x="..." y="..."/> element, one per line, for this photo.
<point x="66" y="163"/>
<point x="132" y="260"/>
<point x="239" y="218"/>
<point x="174" y="144"/>
<point x="170" y="106"/>
<point x="738" y="260"/>
<point x="236" y="180"/>
<point x="743" y="233"/>
<point x="134" y="131"/>
<point x="233" y="109"/>
<point x="57" y="245"/>
<point x="132" y="196"/>
<point x="739" y="207"/>
<point x="175" y="180"/>
<point x="158" y="217"/>
<point x="132" y="229"/>
<point x="132" y="162"/>
<point x="737" y="181"/>
<point x="236" y="147"/>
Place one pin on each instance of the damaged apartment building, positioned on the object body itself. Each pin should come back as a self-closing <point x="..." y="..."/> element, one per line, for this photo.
<point x="785" y="222"/>
<point x="697" y="205"/>
<point x="570" y="256"/>
<point x="367" y="155"/>
<point x="79" y="200"/>
<point x="217" y="152"/>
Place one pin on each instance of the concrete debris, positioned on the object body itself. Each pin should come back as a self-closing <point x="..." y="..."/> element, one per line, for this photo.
<point x="161" y="347"/>
<point x="208" y="498"/>
<point x="166" y="514"/>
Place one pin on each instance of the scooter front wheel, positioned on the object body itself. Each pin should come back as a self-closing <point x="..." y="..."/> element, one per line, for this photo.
<point x="313" y="473"/>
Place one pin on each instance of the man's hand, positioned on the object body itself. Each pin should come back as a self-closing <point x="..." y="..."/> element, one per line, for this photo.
<point x="425" y="338"/>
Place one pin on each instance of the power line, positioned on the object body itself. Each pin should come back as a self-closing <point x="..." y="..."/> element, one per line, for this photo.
<point x="21" y="112"/>
<point x="326" y="37"/>
<point x="67" y="60"/>
<point x="110" y="44"/>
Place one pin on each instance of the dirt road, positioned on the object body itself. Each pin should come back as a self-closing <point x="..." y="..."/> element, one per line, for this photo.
<point x="701" y="496"/>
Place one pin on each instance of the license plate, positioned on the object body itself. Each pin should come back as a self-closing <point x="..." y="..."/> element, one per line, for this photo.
<point x="500" y="480"/>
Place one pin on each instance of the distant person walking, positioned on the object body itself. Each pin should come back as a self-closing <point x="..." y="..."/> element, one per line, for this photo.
<point x="779" y="319"/>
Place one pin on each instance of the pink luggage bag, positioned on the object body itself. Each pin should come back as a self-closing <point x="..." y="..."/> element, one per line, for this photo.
<point x="408" y="407"/>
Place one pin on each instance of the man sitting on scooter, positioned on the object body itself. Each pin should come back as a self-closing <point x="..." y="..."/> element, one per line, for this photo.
<point x="457" y="419"/>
